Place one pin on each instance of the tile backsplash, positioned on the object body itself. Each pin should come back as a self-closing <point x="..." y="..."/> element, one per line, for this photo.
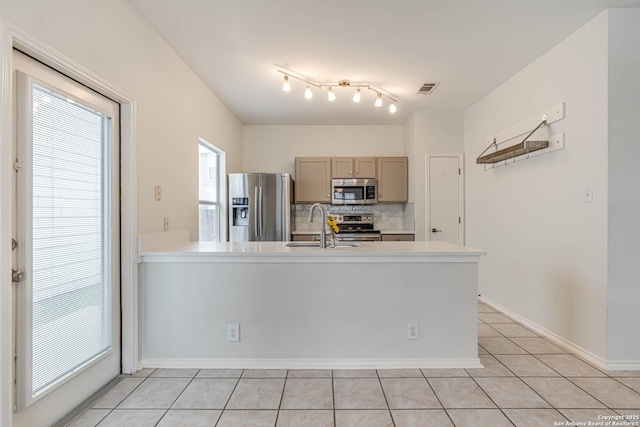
<point x="398" y="217"/>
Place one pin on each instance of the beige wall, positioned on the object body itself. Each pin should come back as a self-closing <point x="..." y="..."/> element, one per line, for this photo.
<point x="623" y="292"/>
<point x="274" y="148"/>
<point x="546" y="249"/>
<point x="175" y="107"/>
<point x="429" y="132"/>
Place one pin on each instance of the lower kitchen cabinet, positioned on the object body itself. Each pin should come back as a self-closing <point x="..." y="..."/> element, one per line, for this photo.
<point x="397" y="237"/>
<point x="305" y="237"/>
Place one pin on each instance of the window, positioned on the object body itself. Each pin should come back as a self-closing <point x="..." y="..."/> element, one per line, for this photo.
<point x="211" y="192"/>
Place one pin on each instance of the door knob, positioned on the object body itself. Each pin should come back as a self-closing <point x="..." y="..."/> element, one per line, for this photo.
<point x="17" y="275"/>
<point x="433" y="230"/>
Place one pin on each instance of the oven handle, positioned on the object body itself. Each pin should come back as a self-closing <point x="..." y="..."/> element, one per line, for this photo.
<point x="351" y="239"/>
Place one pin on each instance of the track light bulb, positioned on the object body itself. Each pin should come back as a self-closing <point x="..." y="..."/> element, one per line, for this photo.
<point x="307" y="92"/>
<point x="286" y="86"/>
<point x="378" y="100"/>
<point x="356" y="96"/>
<point x="330" y="94"/>
<point x="392" y="107"/>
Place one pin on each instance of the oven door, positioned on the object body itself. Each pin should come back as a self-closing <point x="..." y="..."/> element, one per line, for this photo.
<point x="358" y="237"/>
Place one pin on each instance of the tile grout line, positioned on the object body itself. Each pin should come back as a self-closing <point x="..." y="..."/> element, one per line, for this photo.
<point x="620" y="382"/>
<point x="284" y="385"/>
<point x="114" y="408"/>
<point x="178" y="397"/>
<point x="545" y="338"/>
<point x="517" y="376"/>
<point x="109" y="409"/>
<point x="491" y="399"/>
<point x="385" y="397"/>
<point x="229" y="398"/>
<point x="436" y="395"/>
<point x="562" y="376"/>
<point x="333" y="398"/>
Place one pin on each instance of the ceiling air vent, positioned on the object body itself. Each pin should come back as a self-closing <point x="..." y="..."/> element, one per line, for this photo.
<point x="426" y="88"/>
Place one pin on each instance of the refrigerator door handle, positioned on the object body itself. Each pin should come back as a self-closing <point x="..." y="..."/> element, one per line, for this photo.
<point x="259" y="219"/>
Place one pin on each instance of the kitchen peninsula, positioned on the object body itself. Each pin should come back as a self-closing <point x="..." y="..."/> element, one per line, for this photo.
<point x="347" y="307"/>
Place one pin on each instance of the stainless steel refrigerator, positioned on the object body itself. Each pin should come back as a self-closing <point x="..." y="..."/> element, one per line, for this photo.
<point x="260" y="207"/>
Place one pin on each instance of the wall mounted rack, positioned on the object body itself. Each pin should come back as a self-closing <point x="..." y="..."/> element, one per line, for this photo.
<point x="526" y="148"/>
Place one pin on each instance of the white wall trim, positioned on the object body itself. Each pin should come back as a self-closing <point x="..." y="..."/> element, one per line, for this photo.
<point x="623" y="365"/>
<point x="14" y="37"/>
<point x="551" y="336"/>
<point x="427" y="219"/>
<point x="6" y="221"/>
<point x="469" y="363"/>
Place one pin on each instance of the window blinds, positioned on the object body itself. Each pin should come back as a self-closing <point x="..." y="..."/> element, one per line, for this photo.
<point x="71" y="272"/>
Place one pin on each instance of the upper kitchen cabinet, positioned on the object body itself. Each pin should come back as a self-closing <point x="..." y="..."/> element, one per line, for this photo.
<point x="349" y="167"/>
<point x="393" y="179"/>
<point x="313" y="179"/>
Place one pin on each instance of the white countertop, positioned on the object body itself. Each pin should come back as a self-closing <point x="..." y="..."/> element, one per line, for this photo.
<point x="278" y="252"/>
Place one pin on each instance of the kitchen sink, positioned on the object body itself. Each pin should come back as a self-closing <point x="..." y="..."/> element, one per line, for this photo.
<point x="317" y="245"/>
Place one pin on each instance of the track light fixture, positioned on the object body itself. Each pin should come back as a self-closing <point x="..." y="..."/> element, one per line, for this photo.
<point x="286" y="86"/>
<point x="378" y="102"/>
<point x="331" y="96"/>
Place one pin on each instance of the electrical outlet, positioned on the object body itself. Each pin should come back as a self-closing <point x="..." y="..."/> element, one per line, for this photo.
<point x="158" y="193"/>
<point x="233" y="332"/>
<point x="384" y="216"/>
<point x="412" y="331"/>
<point x="166" y="223"/>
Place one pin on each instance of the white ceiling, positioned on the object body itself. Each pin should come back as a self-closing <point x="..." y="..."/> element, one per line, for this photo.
<point x="469" y="46"/>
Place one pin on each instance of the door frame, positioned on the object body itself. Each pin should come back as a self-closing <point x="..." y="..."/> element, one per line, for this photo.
<point x="13" y="37"/>
<point x="427" y="216"/>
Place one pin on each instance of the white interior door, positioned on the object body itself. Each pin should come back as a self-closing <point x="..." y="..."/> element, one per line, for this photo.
<point x="67" y="338"/>
<point x="444" y="198"/>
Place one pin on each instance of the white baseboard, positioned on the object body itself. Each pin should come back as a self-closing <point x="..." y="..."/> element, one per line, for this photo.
<point x="556" y="339"/>
<point x="313" y="363"/>
<point x="623" y="365"/>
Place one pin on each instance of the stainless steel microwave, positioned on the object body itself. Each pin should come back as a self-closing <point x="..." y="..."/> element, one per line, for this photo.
<point x="354" y="191"/>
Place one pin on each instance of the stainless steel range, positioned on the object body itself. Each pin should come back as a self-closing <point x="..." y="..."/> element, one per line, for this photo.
<point x="356" y="227"/>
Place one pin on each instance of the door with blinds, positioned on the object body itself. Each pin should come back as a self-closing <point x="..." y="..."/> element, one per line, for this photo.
<point x="67" y="233"/>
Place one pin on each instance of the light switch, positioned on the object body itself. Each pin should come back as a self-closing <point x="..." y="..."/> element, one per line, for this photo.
<point x="158" y="193"/>
<point x="587" y="195"/>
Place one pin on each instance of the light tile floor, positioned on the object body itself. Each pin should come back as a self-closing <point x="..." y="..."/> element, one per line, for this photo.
<point x="527" y="382"/>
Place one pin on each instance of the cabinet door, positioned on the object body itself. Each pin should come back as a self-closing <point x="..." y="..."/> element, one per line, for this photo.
<point x="342" y="167"/>
<point x="365" y="167"/>
<point x="397" y="237"/>
<point x="393" y="179"/>
<point x="313" y="179"/>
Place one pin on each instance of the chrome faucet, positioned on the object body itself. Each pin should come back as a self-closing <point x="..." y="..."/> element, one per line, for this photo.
<point x="323" y="231"/>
